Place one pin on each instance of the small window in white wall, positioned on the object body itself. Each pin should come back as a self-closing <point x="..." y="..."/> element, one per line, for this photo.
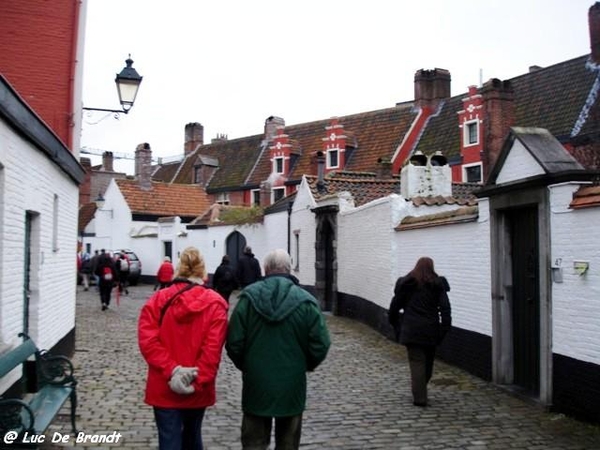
<point x="55" y="224"/>
<point x="333" y="159"/>
<point x="256" y="197"/>
<point x="472" y="173"/>
<point x="278" y="165"/>
<point x="278" y="194"/>
<point x="471" y="130"/>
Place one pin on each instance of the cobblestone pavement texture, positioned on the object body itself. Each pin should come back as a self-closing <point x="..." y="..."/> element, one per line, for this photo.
<point x="359" y="398"/>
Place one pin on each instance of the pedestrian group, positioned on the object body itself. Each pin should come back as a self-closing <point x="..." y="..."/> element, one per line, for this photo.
<point x="275" y="335"/>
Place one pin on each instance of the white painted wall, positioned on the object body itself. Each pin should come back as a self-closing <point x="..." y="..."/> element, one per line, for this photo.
<point x="575" y="301"/>
<point x="461" y="253"/>
<point x="30" y="182"/>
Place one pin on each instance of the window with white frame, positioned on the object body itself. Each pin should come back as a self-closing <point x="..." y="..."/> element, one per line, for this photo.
<point x="278" y="164"/>
<point x="471" y="133"/>
<point x="333" y="159"/>
<point x="223" y="198"/>
<point x="255" y="197"/>
<point x="278" y="194"/>
<point x="472" y="173"/>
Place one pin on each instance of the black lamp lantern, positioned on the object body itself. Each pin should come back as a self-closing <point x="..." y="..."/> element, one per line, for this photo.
<point x="128" y="83"/>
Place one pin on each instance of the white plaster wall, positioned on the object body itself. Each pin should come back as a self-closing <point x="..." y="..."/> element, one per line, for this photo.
<point x="29" y="182"/>
<point x="575" y="301"/>
<point x="519" y="164"/>
<point x="461" y="253"/>
<point x="364" y="252"/>
<point x="304" y="225"/>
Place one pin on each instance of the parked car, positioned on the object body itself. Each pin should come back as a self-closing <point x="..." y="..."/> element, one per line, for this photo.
<point x="135" y="265"/>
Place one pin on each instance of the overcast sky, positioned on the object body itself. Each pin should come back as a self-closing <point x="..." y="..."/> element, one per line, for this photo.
<point x="230" y="64"/>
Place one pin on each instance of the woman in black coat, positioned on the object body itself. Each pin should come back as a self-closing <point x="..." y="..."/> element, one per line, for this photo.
<point x="422" y="296"/>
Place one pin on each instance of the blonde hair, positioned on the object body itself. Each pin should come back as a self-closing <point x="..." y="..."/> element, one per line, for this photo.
<point x="191" y="264"/>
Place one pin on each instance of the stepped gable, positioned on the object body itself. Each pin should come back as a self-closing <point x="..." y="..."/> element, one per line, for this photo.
<point x="184" y="200"/>
<point x="550" y="98"/>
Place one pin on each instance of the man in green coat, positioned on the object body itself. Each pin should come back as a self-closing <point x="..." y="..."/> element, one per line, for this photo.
<point x="276" y="334"/>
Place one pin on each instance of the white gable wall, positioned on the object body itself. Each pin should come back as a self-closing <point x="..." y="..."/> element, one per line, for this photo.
<point x="519" y="164"/>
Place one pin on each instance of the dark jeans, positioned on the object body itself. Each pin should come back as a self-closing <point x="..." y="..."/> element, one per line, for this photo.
<point x="256" y="432"/>
<point x="420" y="360"/>
<point x="105" y="290"/>
<point x="179" y="429"/>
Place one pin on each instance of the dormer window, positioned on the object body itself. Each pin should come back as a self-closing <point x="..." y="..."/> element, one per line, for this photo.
<point x="198" y="172"/>
<point x="223" y="198"/>
<point x="278" y="165"/>
<point x="472" y="173"/>
<point x="471" y="130"/>
<point x="333" y="159"/>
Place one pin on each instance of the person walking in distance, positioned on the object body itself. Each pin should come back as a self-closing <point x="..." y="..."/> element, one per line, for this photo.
<point x="164" y="276"/>
<point x="224" y="280"/>
<point x="248" y="268"/>
<point x="94" y="266"/>
<point x="86" y="270"/>
<point x="276" y="334"/>
<point x="123" y="268"/>
<point x="420" y="309"/>
<point x="107" y="276"/>
<point x="181" y="332"/>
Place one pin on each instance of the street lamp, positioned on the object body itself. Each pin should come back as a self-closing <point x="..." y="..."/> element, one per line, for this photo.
<point x="128" y="82"/>
<point x="100" y="200"/>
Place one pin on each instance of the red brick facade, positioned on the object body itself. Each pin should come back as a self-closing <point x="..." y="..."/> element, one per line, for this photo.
<point x="39" y="43"/>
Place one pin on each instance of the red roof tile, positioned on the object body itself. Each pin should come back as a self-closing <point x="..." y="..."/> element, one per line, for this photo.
<point x="586" y="197"/>
<point x="165" y="199"/>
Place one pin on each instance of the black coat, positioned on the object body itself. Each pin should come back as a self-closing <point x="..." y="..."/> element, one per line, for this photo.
<point x="248" y="270"/>
<point x="427" y="317"/>
<point x="224" y="280"/>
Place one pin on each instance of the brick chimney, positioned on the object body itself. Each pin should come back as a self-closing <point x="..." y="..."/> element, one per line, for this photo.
<point x="194" y="136"/>
<point x="85" y="195"/>
<point x="143" y="166"/>
<point x="384" y="168"/>
<point x="498" y="117"/>
<point x="265" y="194"/>
<point x="271" y="127"/>
<point x="594" y="24"/>
<point x="107" y="162"/>
<point x="431" y="87"/>
<point x="426" y="177"/>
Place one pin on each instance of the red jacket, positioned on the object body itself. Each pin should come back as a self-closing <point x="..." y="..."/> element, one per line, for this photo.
<point x="193" y="331"/>
<point x="165" y="272"/>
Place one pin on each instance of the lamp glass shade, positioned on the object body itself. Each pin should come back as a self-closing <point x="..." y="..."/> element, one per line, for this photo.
<point x="128" y="82"/>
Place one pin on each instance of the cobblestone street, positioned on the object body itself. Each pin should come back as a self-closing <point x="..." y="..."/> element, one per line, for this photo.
<point x="359" y="398"/>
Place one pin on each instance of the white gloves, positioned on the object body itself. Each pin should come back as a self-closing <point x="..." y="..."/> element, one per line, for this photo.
<point x="182" y="378"/>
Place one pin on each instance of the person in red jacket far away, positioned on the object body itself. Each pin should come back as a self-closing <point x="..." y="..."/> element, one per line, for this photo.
<point x="181" y="332"/>
<point x="164" y="276"/>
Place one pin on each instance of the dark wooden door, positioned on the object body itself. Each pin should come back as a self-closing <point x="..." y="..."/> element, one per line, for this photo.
<point x="526" y="299"/>
<point x="235" y="247"/>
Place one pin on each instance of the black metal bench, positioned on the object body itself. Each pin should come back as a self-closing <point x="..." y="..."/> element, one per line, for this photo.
<point x="33" y="413"/>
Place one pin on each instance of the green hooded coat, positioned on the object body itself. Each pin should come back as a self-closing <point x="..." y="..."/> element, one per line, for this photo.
<point x="276" y="334"/>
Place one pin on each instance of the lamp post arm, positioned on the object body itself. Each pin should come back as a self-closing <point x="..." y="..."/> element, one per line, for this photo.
<point x="106" y="110"/>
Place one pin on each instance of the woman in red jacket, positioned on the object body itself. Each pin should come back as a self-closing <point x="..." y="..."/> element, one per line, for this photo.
<point x="164" y="276"/>
<point x="181" y="332"/>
